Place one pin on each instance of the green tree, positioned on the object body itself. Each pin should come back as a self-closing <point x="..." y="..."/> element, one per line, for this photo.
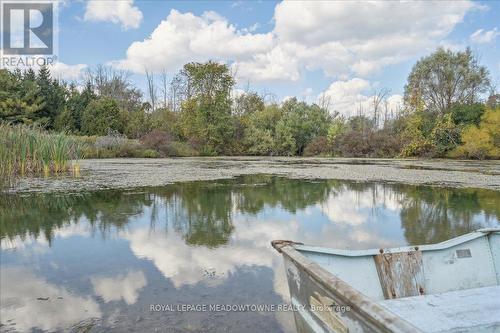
<point x="53" y="95"/>
<point x="71" y="118"/>
<point x="284" y="143"/>
<point x="20" y="99"/>
<point x="247" y="103"/>
<point x="303" y="122"/>
<point x="137" y="123"/>
<point x="446" y="78"/>
<point x="206" y="113"/>
<point x="260" y="134"/>
<point x="336" y="128"/>
<point x="468" y="114"/>
<point x="102" y="115"/>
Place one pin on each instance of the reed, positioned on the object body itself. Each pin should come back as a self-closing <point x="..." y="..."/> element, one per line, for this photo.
<point x="30" y="150"/>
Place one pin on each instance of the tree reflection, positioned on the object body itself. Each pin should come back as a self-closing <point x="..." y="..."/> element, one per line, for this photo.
<point x="39" y="214"/>
<point x="433" y="214"/>
<point x="202" y="212"/>
<point x="290" y="194"/>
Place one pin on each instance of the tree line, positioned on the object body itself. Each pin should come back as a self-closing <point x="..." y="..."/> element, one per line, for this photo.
<point x="450" y="110"/>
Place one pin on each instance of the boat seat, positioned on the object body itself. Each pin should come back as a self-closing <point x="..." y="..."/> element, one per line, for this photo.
<point x="464" y="311"/>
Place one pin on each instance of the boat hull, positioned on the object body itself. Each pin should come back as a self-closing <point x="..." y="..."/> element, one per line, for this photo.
<point x="324" y="303"/>
<point x="351" y="291"/>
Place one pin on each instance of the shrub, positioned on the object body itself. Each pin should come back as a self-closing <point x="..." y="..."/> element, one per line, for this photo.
<point x="384" y="143"/>
<point x="180" y="149"/>
<point x="111" y="141"/>
<point x="319" y="146"/>
<point x="150" y="153"/>
<point x="161" y="142"/>
<point x="156" y="139"/>
<point x="352" y="144"/>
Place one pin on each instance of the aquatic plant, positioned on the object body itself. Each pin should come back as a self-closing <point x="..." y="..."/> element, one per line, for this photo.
<point x="31" y="150"/>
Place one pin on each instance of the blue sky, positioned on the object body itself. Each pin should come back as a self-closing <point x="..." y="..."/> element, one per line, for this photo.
<point x="344" y="50"/>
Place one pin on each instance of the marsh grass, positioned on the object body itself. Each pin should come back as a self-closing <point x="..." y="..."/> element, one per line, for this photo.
<point x="30" y="150"/>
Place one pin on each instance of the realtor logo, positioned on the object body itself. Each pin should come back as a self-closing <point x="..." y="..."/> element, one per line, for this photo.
<point x="28" y="28"/>
<point x="28" y="32"/>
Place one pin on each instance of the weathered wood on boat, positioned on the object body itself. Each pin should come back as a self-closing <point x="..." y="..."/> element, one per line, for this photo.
<point x="384" y="290"/>
<point x="400" y="274"/>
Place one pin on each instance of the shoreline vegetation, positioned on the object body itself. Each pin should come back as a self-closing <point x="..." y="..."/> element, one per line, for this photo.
<point x="450" y="110"/>
<point x="28" y="150"/>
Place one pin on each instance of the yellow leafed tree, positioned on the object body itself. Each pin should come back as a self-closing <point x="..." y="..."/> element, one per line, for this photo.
<point x="483" y="141"/>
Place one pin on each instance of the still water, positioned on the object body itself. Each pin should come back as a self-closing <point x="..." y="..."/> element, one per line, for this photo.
<point x="94" y="262"/>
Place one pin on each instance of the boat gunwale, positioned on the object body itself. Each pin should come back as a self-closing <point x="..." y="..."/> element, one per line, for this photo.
<point x="424" y="248"/>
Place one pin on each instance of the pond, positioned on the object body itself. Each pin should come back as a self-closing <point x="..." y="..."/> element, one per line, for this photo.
<point x="99" y="261"/>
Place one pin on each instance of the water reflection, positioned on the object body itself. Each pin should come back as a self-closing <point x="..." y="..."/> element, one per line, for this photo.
<point x="112" y="253"/>
<point x="30" y="301"/>
<point x="120" y="287"/>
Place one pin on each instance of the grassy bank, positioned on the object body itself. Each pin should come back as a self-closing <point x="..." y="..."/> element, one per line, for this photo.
<point x="153" y="145"/>
<point x="30" y="150"/>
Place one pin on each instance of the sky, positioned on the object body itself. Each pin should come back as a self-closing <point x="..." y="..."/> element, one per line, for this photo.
<point x="342" y="50"/>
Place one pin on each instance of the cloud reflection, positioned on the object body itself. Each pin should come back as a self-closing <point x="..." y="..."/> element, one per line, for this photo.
<point x="19" y="290"/>
<point x="120" y="287"/>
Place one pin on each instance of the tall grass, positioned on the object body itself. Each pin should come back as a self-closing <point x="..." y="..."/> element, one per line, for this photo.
<point x="30" y="150"/>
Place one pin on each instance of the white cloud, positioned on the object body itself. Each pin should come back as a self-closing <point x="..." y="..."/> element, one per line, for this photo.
<point x="324" y="21"/>
<point x="120" y="287"/>
<point x="274" y="65"/>
<point x="349" y="96"/>
<point x="482" y="36"/>
<point x="63" y="71"/>
<point x="184" y="37"/>
<point x="338" y="37"/>
<point x="115" y="11"/>
<point x="364" y="36"/>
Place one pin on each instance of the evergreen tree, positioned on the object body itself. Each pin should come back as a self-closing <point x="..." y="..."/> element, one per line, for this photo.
<point x="20" y="100"/>
<point x="53" y="95"/>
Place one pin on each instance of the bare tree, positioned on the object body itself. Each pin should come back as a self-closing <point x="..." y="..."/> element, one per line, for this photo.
<point x="176" y="86"/>
<point x="152" y="92"/>
<point x="325" y="101"/>
<point x="378" y="97"/>
<point x="269" y="97"/>
<point x="386" y="112"/>
<point x="109" y="82"/>
<point x="164" y="87"/>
